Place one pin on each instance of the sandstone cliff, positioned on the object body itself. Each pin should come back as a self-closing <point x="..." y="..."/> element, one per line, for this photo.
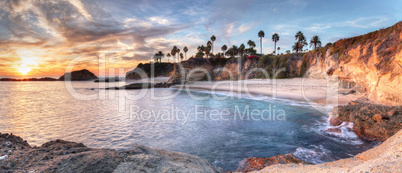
<point x="373" y="61"/>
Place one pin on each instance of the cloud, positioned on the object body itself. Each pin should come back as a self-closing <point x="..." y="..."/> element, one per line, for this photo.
<point x="66" y="29"/>
<point x="366" y="22"/>
<point x="159" y="20"/>
<point x="80" y="7"/>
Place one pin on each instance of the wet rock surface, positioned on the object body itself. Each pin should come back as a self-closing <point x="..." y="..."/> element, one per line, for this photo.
<point x="65" y="156"/>
<point x="136" y="86"/>
<point x="370" y="121"/>
<point x="255" y="163"/>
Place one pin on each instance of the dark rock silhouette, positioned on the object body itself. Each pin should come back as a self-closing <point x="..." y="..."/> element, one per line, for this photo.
<point x="81" y="75"/>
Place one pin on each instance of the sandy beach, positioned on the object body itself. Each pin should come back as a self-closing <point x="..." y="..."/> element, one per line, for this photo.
<point x="313" y="91"/>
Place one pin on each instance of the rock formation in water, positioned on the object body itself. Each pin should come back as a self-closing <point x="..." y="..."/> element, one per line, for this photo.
<point x="255" y="163"/>
<point x="80" y="75"/>
<point x="144" y="70"/>
<point x="64" y="156"/>
<point x="370" y="121"/>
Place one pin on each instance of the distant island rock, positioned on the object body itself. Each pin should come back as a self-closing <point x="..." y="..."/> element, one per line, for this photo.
<point x="108" y="80"/>
<point x="29" y="79"/>
<point x="81" y="75"/>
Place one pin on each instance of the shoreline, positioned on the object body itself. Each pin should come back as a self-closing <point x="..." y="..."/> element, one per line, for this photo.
<point x="378" y="155"/>
<point x="316" y="90"/>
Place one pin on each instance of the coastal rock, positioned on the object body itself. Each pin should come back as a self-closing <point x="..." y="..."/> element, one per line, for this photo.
<point x="136" y="86"/>
<point x="230" y="71"/>
<point x="145" y="159"/>
<point x="65" y="156"/>
<point x="194" y="69"/>
<point x="144" y="71"/>
<point x="255" y="163"/>
<point x="81" y="75"/>
<point x="387" y="157"/>
<point x="371" y="63"/>
<point x="371" y="121"/>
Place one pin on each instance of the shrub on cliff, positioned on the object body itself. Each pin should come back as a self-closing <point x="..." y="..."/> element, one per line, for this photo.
<point x="218" y="61"/>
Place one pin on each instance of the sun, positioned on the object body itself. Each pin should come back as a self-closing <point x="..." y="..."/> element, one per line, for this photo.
<point x="24" y="69"/>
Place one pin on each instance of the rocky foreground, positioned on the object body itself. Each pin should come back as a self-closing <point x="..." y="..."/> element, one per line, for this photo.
<point x="63" y="156"/>
<point x="387" y="157"/>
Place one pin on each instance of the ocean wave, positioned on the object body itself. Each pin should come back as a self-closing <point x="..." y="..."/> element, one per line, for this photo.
<point x="314" y="154"/>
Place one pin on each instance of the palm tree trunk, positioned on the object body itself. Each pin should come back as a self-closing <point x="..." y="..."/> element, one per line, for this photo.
<point x="275" y="47"/>
<point x="212" y="47"/>
<point x="261" y="45"/>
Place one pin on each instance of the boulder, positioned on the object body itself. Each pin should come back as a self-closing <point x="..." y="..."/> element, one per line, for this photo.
<point x="81" y="75"/>
<point x="255" y="163"/>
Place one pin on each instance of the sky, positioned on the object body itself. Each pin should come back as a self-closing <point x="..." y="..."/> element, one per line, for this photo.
<point x="50" y="37"/>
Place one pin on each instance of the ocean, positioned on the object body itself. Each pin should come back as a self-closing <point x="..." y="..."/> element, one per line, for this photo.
<point x="222" y="129"/>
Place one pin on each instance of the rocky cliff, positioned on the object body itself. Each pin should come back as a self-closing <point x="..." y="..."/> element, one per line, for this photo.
<point x="269" y="66"/>
<point x="373" y="61"/>
<point x="370" y="63"/>
<point x="78" y="76"/>
<point x="144" y="70"/>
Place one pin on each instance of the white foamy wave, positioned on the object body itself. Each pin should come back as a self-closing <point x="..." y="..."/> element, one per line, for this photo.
<point x="315" y="154"/>
<point x="342" y="133"/>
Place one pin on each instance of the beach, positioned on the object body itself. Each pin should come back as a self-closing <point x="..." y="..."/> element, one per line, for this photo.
<point x="308" y="90"/>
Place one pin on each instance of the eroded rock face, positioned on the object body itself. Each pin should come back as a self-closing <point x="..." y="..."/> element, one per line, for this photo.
<point x="194" y="69"/>
<point x="255" y="163"/>
<point x="144" y="71"/>
<point x="370" y="121"/>
<point x="372" y="61"/>
<point x="65" y="156"/>
<point x="79" y="76"/>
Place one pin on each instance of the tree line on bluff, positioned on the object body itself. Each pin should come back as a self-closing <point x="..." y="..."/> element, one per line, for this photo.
<point x="208" y="50"/>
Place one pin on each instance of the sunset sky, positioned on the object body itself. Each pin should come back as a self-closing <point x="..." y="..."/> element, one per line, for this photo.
<point x="41" y="37"/>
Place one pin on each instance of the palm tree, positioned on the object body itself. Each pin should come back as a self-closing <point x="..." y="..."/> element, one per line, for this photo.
<point x="241" y="49"/>
<point x="158" y="56"/>
<point x="209" y="43"/>
<point x="301" y="42"/>
<point x="181" y="56"/>
<point x="213" y="38"/>
<point x="224" y="48"/>
<point x="177" y="51"/>
<point x="168" y="55"/>
<point x="261" y="34"/>
<point x="251" y="43"/>
<point x="275" y="38"/>
<point x="234" y="50"/>
<point x="279" y="48"/>
<point x="207" y="50"/>
<point x="315" y="41"/>
<point x="173" y="53"/>
<point x="185" y="49"/>
<point x="297" y="47"/>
